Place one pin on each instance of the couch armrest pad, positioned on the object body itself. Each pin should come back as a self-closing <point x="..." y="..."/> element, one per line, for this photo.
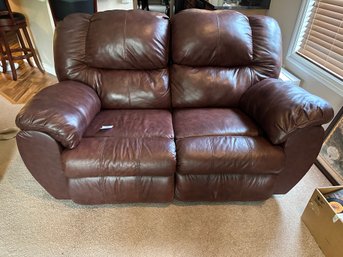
<point x="63" y="111"/>
<point x="280" y="108"/>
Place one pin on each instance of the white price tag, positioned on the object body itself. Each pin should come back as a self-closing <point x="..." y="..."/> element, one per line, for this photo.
<point x="104" y="127"/>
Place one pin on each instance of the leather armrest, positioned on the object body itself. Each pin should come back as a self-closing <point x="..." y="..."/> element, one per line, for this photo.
<point x="280" y="108"/>
<point x="63" y="111"/>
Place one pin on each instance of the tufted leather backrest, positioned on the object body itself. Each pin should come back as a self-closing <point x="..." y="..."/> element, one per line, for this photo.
<point x="123" y="55"/>
<point x="217" y="55"/>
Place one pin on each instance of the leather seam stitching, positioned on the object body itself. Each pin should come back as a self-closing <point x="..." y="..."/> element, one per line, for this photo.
<point x="124" y="39"/>
<point x="140" y="143"/>
<point x="218" y="40"/>
<point x="101" y="158"/>
<point x="85" y="61"/>
<point x="212" y="150"/>
<point x="250" y="148"/>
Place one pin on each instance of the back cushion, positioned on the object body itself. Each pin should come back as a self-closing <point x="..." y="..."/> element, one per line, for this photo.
<point x="217" y="55"/>
<point x="123" y="55"/>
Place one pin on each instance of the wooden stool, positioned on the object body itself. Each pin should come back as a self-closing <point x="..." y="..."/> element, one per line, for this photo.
<point x="13" y="22"/>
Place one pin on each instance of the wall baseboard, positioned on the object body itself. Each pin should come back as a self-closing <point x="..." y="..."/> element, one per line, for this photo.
<point x="285" y="75"/>
<point x="49" y="69"/>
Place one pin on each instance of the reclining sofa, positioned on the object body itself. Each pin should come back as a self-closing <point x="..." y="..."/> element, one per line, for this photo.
<point x="151" y="110"/>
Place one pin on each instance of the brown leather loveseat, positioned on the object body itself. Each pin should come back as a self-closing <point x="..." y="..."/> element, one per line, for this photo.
<point x="149" y="110"/>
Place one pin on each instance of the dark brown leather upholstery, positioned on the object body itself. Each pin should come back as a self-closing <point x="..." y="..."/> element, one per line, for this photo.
<point x="124" y="56"/>
<point x="213" y="122"/>
<point x="218" y="149"/>
<point x="133" y="189"/>
<point x="192" y="87"/>
<point x="224" y="50"/>
<point x="280" y="108"/>
<point x="113" y="156"/>
<point x="63" y="111"/>
<point x="224" y="187"/>
<point x="134" y="47"/>
<point x="132" y="124"/>
<point x="301" y="149"/>
<point x="208" y="123"/>
<point x="41" y="155"/>
<point x="219" y="39"/>
<point x="228" y="154"/>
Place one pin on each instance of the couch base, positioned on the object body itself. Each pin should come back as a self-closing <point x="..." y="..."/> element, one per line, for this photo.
<point x="224" y="187"/>
<point x="132" y="189"/>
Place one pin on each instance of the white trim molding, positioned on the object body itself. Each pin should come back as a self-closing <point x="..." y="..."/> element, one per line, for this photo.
<point x="49" y="69"/>
<point x="285" y="75"/>
<point x="302" y="67"/>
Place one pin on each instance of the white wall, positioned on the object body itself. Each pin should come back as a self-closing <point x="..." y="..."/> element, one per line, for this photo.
<point x="114" y="4"/>
<point x="286" y="13"/>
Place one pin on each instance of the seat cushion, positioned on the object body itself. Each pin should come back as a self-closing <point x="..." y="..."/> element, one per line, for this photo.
<point x="228" y="155"/>
<point x="141" y="143"/>
<point x="223" y="141"/>
<point x="132" y="123"/>
<point x="224" y="187"/>
<point x="130" y="189"/>
<point x="120" y="156"/>
<point x="213" y="122"/>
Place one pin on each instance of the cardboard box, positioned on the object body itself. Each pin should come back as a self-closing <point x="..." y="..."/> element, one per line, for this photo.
<point x="324" y="224"/>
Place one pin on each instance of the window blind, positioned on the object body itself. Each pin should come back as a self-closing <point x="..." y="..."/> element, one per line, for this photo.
<point x="322" y="40"/>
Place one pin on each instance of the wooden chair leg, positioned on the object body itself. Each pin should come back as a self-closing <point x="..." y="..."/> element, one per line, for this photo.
<point x="28" y="40"/>
<point x="3" y="57"/>
<point x="23" y="46"/>
<point x="9" y="55"/>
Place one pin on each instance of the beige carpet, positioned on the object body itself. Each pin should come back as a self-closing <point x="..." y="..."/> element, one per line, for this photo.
<point x="7" y="115"/>
<point x="34" y="224"/>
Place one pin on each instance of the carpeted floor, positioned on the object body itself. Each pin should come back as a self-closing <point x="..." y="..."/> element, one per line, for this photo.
<point x="8" y="112"/>
<point x="32" y="223"/>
